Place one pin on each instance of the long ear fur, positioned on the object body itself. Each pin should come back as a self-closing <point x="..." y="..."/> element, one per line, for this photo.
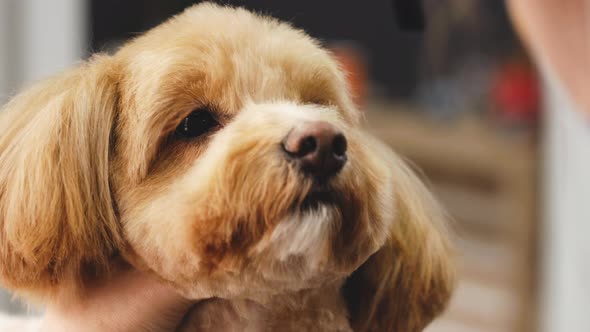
<point x="408" y="282"/>
<point x="57" y="221"/>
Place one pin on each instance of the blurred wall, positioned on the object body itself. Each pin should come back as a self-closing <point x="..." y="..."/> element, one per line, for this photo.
<point x="37" y="38"/>
<point x="4" y="14"/>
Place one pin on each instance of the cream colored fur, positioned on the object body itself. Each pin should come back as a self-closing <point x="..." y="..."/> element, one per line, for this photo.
<point x="90" y="172"/>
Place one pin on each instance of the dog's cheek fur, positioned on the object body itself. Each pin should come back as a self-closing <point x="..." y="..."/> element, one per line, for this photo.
<point x="409" y="281"/>
<point x="57" y="222"/>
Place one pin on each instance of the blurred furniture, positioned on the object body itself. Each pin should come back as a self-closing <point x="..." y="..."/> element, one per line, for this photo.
<point x="485" y="178"/>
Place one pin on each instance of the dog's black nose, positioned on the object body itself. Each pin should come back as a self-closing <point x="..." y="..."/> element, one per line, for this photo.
<point x="318" y="146"/>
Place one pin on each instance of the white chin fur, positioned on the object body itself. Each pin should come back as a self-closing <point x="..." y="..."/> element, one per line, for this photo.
<point x="306" y="234"/>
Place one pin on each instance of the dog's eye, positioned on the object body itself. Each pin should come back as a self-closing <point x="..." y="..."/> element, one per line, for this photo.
<point x="198" y="123"/>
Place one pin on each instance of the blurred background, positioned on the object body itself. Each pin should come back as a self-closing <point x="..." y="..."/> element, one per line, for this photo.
<point x="459" y="98"/>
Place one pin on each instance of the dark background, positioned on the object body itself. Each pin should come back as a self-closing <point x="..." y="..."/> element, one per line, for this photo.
<point x="392" y="53"/>
<point x="401" y="64"/>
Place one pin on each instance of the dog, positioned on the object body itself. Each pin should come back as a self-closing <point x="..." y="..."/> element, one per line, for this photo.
<point x="221" y="153"/>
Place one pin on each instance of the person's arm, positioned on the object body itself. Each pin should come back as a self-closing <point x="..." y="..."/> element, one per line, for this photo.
<point x="557" y="33"/>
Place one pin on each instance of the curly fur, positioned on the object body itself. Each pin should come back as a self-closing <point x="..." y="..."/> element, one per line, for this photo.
<point x="90" y="172"/>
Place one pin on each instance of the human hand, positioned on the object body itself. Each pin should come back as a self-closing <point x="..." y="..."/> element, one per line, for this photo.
<point x="129" y="301"/>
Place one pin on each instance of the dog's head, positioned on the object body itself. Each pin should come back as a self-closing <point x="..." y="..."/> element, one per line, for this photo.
<point x="220" y="151"/>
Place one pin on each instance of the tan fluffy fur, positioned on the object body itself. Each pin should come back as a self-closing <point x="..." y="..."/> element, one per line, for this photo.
<point x="89" y="173"/>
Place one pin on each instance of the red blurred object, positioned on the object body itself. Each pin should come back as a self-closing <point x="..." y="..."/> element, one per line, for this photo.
<point x="352" y="61"/>
<point x="515" y="91"/>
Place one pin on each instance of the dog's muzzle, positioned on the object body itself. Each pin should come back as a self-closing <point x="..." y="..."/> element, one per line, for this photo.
<point x="318" y="148"/>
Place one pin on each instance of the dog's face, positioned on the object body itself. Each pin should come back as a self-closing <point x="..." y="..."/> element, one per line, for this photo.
<point x="239" y="158"/>
<point x="221" y="152"/>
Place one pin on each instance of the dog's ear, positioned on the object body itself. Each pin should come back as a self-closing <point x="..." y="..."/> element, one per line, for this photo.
<point x="57" y="220"/>
<point x="408" y="282"/>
